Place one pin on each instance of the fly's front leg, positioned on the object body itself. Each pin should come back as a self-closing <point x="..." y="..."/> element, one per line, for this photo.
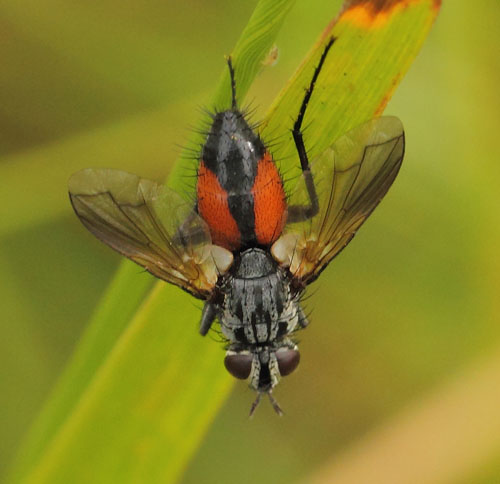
<point x="208" y="316"/>
<point x="299" y="213"/>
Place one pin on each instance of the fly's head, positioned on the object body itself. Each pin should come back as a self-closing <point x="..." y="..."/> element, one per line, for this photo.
<point x="258" y="309"/>
<point x="263" y="366"/>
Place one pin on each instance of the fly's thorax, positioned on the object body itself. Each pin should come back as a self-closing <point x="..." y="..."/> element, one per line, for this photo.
<point x="258" y="305"/>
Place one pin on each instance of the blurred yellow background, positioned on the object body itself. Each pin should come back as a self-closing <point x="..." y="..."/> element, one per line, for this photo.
<point x="403" y="348"/>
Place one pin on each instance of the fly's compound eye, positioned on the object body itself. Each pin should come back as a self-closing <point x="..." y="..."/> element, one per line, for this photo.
<point x="239" y="365"/>
<point x="288" y="360"/>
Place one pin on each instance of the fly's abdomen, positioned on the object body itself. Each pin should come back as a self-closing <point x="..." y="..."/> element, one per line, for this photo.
<point x="240" y="192"/>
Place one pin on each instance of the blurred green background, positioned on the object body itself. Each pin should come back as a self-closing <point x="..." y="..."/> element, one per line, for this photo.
<point x="407" y="309"/>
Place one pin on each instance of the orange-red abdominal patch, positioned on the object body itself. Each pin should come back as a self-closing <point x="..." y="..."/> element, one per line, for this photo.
<point x="214" y="209"/>
<point x="269" y="201"/>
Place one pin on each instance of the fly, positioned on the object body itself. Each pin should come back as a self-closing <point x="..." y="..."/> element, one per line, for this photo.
<point x="245" y="248"/>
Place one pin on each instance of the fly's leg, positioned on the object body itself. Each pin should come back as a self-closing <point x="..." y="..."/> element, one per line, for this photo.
<point x="208" y="316"/>
<point x="299" y="213"/>
<point x="303" y="322"/>
<point x="234" y="104"/>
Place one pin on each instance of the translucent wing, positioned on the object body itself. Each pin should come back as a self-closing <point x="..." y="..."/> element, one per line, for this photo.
<point x="351" y="178"/>
<point x="151" y="225"/>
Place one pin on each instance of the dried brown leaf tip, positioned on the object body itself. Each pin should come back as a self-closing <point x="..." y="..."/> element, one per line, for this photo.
<point x="375" y="13"/>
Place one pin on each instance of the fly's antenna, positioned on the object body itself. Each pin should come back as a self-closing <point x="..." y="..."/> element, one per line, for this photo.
<point x="275" y="405"/>
<point x="273" y="401"/>
<point x="234" y="104"/>
<point x="255" y="404"/>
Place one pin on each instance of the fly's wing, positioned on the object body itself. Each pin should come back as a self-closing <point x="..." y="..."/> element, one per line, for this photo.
<point x="351" y="178"/>
<point x="151" y="225"/>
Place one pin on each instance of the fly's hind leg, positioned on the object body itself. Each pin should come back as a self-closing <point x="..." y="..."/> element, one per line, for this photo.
<point x="234" y="104"/>
<point x="299" y="213"/>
